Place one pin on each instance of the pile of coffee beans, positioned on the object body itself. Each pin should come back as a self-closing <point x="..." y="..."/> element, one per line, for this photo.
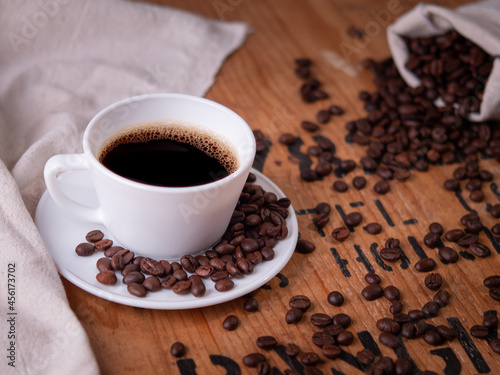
<point x="258" y="223"/>
<point x="472" y="176"/>
<point x="493" y="284"/>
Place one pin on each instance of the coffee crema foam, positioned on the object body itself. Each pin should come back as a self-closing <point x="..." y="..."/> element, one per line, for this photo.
<point x="192" y="135"/>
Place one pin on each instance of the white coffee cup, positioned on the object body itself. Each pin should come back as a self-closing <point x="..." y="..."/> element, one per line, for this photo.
<point x="155" y="221"/>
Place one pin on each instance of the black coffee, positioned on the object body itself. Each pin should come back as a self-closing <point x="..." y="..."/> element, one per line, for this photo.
<point x="170" y="156"/>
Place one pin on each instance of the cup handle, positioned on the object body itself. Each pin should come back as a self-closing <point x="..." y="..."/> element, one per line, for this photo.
<point x="58" y="164"/>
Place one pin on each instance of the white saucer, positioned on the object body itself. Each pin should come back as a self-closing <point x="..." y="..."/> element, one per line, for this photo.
<point x="62" y="232"/>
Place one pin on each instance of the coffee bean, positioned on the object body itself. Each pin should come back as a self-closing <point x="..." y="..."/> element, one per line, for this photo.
<point x="341" y="234"/>
<point x="323" y="116"/>
<point x="480" y="250"/>
<point x="495" y="211"/>
<point x="300" y="301"/>
<point x="137" y="290"/>
<point x="205" y="271"/>
<point x="495" y="345"/>
<point x="224" y="285"/>
<point x="335" y="298"/>
<point x="492" y="281"/>
<point x="308" y="175"/>
<point x="263" y="368"/>
<point x="365" y="356"/>
<point x="178" y="349"/>
<point x="468" y="217"/>
<point x="335" y="110"/>
<point x="476" y="196"/>
<point x="353" y="219"/>
<point x="359" y="182"/>
<point x="322" y="208"/>
<point x="94" y="236"/>
<point x="388" y="325"/>
<point x="391" y="254"/>
<point x="401" y="318"/>
<point x="345" y="338"/>
<point x="431" y="309"/>
<point x="391" y="293"/>
<point x="421" y="328"/>
<point x="133" y="277"/>
<point x="103" y="264"/>
<point x="433" y="281"/>
<point x="152" y="267"/>
<point x="408" y="330"/>
<point x="103" y="244"/>
<point x="454" y="235"/>
<point x="433" y="338"/>
<point x="183" y="287"/>
<point x="431" y="240"/>
<point x="385" y="365"/>
<point x="304" y="247"/>
<point x="168" y="282"/>
<point x="324" y="168"/>
<point x="388" y="339"/>
<point x="292" y="350"/>
<point x="382" y="187"/>
<point x="253" y="359"/>
<point x="251" y="305"/>
<point x="452" y="185"/>
<point x="342" y="320"/>
<point x="331" y="351"/>
<point x="347" y="165"/>
<point x="490" y="321"/>
<point x="479" y="331"/>
<point x="180" y="275"/>
<point x="425" y="265"/>
<point x="112" y="251"/>
<point x="446" y="332"/>
<point x="396" y="307"/>
<point x="473" y="185"/>
<point x="372" y="278"/>
<point x="293" y="315"/>
<point x="403" y="366"/>
<point x="128" y="268"/>
<point x="106" y="277"/>
<point x="85" y="249"/>
<point x="321" y="320"/>
<point x="197" y="286"/>
<point x="321" y="220"/>
<point x="287" y="139"/>
<point x="340" y="186"/>
<point x="442" y="298"/>
<point x="372" y="292"/>
<point x="266" y="342"/>
<point x="448" y="254"/>
<point x="392" y="242"/>
<point x="474" y="226"/>
<point x="309" y="359"/>
<point x="321" y="339"/>
<point x="436" y="228"/>
<point x="308" y="126"/>
<point x="468" y="239"/>
<point x="373" y="228"/>
<point x="230" y="323"/>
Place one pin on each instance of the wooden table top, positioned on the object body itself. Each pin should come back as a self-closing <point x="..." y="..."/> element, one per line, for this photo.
<point x="258" y="82"/>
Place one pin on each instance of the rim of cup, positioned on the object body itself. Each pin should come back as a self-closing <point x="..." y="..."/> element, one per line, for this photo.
<point x="246" y="160"/>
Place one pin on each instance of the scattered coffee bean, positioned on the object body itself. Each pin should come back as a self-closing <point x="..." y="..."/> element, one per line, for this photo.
<point x="353" y="219"/>
<point x="197" y="286"/>
<point x="293" y="315"/>
<point x="309" y="126"/>
<point x="391" y="254"/>
<point x="308" y="175"/>
<point x="253" y="359"/>
<point x="433" y="281"/>
<point x="452" y="185"/>
<point x="335" y="298"/>
<point x="321" y="220"/>
<point x="323" y="208"/>
<point x="324" y="168"/>
<point x="323" y="116"/>
<point x="442" y="298"/>
<point x="492" y="281"/>
<point x="322" y="338"/>
<point x="183" y="287"/>
<point x="416" y="315"/>
<point x="342" y="320"/>
<point x="446" y="332"/>
<point x="341" y="234"/>
<point x="230" y="323"/>
<point x="448" y="254"/>
<point x="495" y="211"/>
<point x="263" y="368"/>
<point x="436" y="228"/>
<point x="495" y="345"/>
<point x="403" y="366"/>
<point x="495" y="229"/>
<point x="425" y="265"/>
<point x="103" y="264"/>
<point x="304" y="247"/>
<point x="133" y="277"/>
<point x="385" y="365"/>
<point x="292" y="350"/>
<point x="85" y="249"/>
<point x="300" y="301"/>
<point x="389" y="339"/>
<point x="340" y="186"/>
<point x="137" y="290"/>
<point x="251" y="305"/>
<point x="335" y="110"/>
<point x="479" y="331"/>
<point x="372" y="278"/>
<point x="287" y="139"/>
<point x="94" y="236"/>
<point x="331" y="351"/>
<point x="468" y="239"/>
<point x="408" y="330"/>
<point x="321" y="320"/>
<point x="103" y="244"/>
<point x="345" y="338"/>
<point x="266" y="342"/>
<point x="431" y="309"/>
<point x="476" y="196"/>
<point x="490" y="321"/>
<point x="372" y="292"/>
<point x="480" y="250"/>
<point x="396" y="307"/>
<point x="391" y="293"/>
<point x="388" y="325"/>
<point x="373" y="228"/>
<point x="106" y="277"/>
<point x="365" y="356"/>
<point x="454" y="235"/>
<point x="431" y="240"/>
<point x="359" y="182"/>
<point x="178" y="349"/>
<point x="309" y="359"/>
<point x="382" y="187"/>
<point x="433" y="338"/>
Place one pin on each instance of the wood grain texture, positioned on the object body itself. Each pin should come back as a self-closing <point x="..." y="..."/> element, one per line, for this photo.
<point x="258" y="83"/>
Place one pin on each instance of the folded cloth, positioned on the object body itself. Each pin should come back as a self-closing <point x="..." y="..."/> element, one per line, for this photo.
<point x="62" y="61"/>
<point x="478" y="22"/>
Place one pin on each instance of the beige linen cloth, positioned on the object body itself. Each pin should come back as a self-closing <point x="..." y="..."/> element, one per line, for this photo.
<point x="478" y="22"/>
<point x="61" y="62"/>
